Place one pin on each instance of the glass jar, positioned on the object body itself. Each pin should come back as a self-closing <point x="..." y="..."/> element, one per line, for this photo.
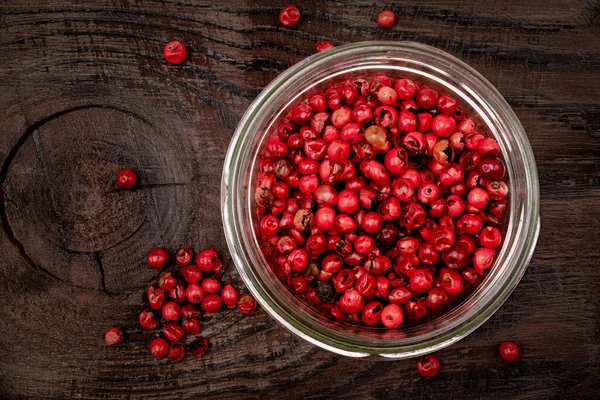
<point x="442" y="72"/>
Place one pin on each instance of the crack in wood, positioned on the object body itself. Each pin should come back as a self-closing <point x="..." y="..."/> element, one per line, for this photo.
<point x="101" y="269"/>
<point x="150" y="186"/>
<point x="6" y="227"/>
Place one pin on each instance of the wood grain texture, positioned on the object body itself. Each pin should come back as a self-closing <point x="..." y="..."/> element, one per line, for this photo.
<point x="84" y="91"/>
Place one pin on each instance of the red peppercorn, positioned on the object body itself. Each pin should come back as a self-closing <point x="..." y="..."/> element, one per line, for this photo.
<point x="211" y="303"/>
<point x="175" y="52"/>
<point x="386" y="19"/>
<point x="289" y="16"/>
<point x="188" y="311"/>
<point x="191" y="326"/>
<point x="415" y="309"/>
<point x="436" y="298"/>
<point x="166" y="281"/>
<point x="176" y="352"/>
<point x="421" y="281"/>
<point x="113" y="335"/>
<point x="126" y="178"/>
<point x="482" y="259"/>
<point x="159" y="348"/>
<point x="171" y="311"/>
<point x="198" y="347"/>
<point x="194" y="293"/>
<point x="392" y="316"/>
<point x="490" y="237"/>
<point x="211" y="285"/>
<point x="426" y="98"/>
<point x="229" y="296"/>
<point x="405" y="88"/>
<point x="371" y="314"/>
<point x="247" y="304"/>
<point x="208" y="260"/>
<point x="156" y="297"/>
<point x="450" y="281"/>
<point x="352" y="302"/>
<point x="366" y="285"/>
<point x="456" y="258"/>
<point x="399" y="296"/>
<point x="157" y="257"/>
<point x="509" y="351"/>
<point x="177" y="293"/>
<point x="428" y="366"/>
<point x="191" y="274"/>
<point x="324" y="45"/>
<point x="184" y="256"/>
<point x="173" y="332"/>
<point x="147" y="320"/>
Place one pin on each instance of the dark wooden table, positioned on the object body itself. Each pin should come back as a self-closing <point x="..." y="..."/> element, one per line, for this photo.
<point x="84" y="91"/>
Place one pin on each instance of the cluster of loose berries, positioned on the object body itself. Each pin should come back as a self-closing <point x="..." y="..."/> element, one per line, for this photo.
<point x="379" y="200"/>
<point x="180" y="298"/>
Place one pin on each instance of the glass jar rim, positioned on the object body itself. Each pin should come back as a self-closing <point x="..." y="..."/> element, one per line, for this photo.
<point x="327" y="338"/>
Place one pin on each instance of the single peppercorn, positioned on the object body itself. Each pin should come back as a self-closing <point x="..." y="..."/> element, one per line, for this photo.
<point x="175" y="52"/>
<point x="159" y="348"/>
<point x="127" y="178"/>
<point x="509" y="351"/>
<point x="247" y="304"/>
<point x="113" y="335"/>
<point x="157" y="257"/>
<point x="289" y="16"/>
<point x="323" y="46"/>
<point x="184" y="256"/>
<point x="428" y="366"/>
<point x="386" y="19"/>
<point x="198" y="347"/>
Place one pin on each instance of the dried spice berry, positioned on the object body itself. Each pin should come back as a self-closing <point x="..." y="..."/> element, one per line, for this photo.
<point x="113" y="335"/>
<point x="175" y="52"/>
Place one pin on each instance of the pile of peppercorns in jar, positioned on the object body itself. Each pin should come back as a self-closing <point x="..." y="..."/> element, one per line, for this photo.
<point x="379" y="200"/>
<point x="180" y="299"/>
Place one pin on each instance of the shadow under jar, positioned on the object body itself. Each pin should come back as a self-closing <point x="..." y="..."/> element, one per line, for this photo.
<point x="442" y="72"/>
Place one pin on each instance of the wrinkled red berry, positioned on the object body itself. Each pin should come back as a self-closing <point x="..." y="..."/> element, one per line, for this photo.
<point x="113" y="335"/>
<point x="176" y="352"/>
<point x="147" y="320"/>
<point x="198" y="347"/>
<point x="173" y="332"/>
<point x="191" y="326"/>
<point x="184" y="256"/>
<point x="156" y="297"/>
<point x="247" y="304"/>
<point x="428" y="366"/>
<point x="289" y="16"/>
<point x="208" y="260"/>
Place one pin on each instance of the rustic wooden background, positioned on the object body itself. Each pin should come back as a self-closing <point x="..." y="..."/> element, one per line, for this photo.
<point x="84" y="91"/>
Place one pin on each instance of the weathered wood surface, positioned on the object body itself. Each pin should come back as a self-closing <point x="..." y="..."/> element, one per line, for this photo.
<point x="84" y="91"/>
